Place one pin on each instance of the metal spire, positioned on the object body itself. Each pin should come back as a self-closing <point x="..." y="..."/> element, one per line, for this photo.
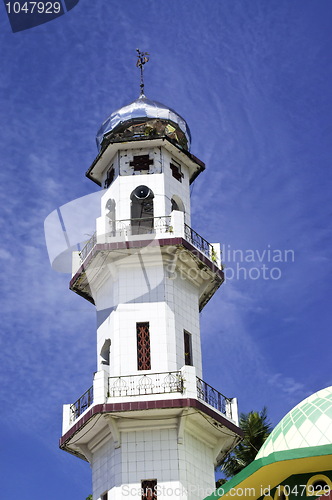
<point x="142" y="58"/>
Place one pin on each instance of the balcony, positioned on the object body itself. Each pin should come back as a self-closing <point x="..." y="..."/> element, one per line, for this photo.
<point x="181" y="384"/>
<point x="151" y="228"/>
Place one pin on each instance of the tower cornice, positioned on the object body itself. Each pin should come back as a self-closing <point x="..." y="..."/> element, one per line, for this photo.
<point x="102" y="160"/>
<point x="157" y="409"/>
<point x="80" y="282"/>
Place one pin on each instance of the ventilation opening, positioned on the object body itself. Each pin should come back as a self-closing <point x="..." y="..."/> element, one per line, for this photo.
<point x="176" y="170"/>
<point x="141" y="162"/>
<point x="109" y="177"/>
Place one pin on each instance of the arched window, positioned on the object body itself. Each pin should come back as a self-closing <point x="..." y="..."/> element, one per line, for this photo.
<point x="105" y="352"/>
<point x="177" y="203"/>
<point x="110" y="214"/>
<point x="142" y="210"/>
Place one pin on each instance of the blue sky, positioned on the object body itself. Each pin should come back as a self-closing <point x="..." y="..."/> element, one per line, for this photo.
<point x="253" y="80"/>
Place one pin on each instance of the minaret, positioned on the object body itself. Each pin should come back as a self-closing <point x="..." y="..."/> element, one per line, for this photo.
<point x="149" y="426"/>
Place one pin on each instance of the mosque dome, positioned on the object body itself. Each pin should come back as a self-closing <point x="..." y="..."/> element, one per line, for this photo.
<point x="307" y="425"/>
<point x="144" y="118"/>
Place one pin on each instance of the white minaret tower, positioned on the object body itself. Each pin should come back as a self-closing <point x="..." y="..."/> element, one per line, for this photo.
<point x="150" y="427"/>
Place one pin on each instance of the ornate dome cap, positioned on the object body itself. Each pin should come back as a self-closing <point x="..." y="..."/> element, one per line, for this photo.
<point x="144" y="117"/>
<point x="307" y="425"/>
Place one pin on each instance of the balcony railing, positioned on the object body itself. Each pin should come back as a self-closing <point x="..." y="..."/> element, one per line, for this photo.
<point x="199" y="242"/>
<point x="88" y="247"/>
<point x="138" y="385"/>
<point x="155" y="226"/>
<point x="150" y="384"/>
<point x="147" y="225"/>
<point x="213" y="397"/>
<point x="131" y="227"/>
<point x="81" y="404"/>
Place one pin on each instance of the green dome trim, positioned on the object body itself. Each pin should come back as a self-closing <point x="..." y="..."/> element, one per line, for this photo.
<point x="308" y="424"/>
<point x="278" y="466"/>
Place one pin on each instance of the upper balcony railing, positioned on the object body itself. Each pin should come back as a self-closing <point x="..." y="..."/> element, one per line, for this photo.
<point x="81" y="404"/>
<point x="199" y="242"/>
<point x="88" y="246"/>
<point x="154" y="226"/>
<point x="138" y="385"/>
<point x="147" y="225"/>
<point x="153" y="384"/>
<point x="214" y="398"/>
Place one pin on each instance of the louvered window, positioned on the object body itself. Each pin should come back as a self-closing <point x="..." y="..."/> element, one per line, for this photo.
<point x="176" y="171"/>
<point x="141" y="162"/>
<point x="188" y="358"/>
<point x="109" y="177"/>
<point x="143" y="346"/>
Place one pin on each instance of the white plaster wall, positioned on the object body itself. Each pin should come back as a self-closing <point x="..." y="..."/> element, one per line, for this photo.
<point x="142" y="455"/>
<point x="150" y="454"/>
<point x="106" y="468"/>
<point x="122" y="187"/>
<point x="131" y="292"/>
<point x="160" y="180"/>
<point x="125" y="342"/>
<point x="126" y="156"/>
<point x="175" y="187"/>
<point x="170" y="307"/>
<point x="184" y="469"/>
<point x="182" y="300"/>
<point x="196" y="467"/>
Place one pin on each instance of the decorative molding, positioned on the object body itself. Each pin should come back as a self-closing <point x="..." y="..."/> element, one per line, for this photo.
<point x="84" y="450"/>
<point x="181" y="425"/>
<point x="147" y="405"/>
<point x="113" y="426"/>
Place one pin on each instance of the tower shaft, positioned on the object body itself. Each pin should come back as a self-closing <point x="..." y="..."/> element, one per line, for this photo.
<point x="149" y="422"/>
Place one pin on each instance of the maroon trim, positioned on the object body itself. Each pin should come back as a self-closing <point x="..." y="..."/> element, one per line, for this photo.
<point x="148" y="405"/>
<point x="328" y="496"/>
<point x="121" y="245"/>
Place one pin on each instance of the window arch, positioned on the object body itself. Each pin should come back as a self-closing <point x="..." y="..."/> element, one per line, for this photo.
<point x="142" y="210"/>
<point x="105" y="352"/>
<point x="111" y="214"/>
<point x="318" y="485"/>
<point x="177" y="203"/>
